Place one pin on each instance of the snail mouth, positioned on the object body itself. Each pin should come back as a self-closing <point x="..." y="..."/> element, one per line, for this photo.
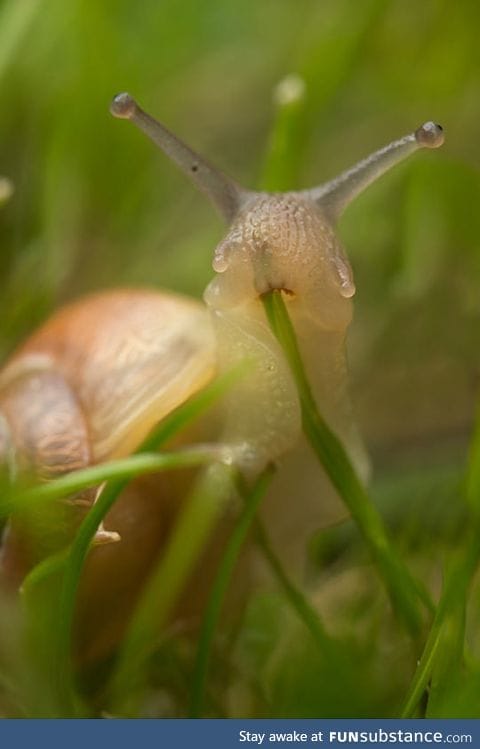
<point x="286" y="292"/>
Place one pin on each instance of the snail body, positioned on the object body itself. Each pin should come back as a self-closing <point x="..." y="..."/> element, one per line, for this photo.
<point x="90" y="384"/>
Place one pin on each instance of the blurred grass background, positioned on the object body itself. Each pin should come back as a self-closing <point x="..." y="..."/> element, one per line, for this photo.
<point x="95" y="206"/>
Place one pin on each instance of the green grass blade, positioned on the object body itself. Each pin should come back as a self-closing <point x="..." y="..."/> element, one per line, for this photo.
<point x="453" y="597"/>
<point x="299" y="603"/>
<point x="281" y="163"/>
<point x="124" y="469"/>
<point x="449" y="660"/>
<point x="169" y="427"/>
<point x="405" y="593"/>
<point x="195" y="523"/>
<point x="50" y="566"/>
<point x="219" y="588"/>
<point x="79" y="550"/>
<point x="451" y="607"/>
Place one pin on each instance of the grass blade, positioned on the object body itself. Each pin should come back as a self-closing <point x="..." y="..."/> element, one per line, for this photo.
<point x="281" y="162"/>
<point x="299" y="603"/>
<point x="124" y="469"/>
<point x="220" y="586"/>
<point x="192" y="530"/>
<point x="404" y="592"/>
<point x="453" y="597"/>
<point x="79" y="550"/>
<point x="169" y="427"/>
<point x="452" y="603"/>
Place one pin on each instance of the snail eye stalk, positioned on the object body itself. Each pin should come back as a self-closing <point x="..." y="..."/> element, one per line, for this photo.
<point x="222" y="191"/>
<point x="333" y="197"/>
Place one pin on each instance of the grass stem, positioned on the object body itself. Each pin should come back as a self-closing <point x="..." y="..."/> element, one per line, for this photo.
<point x="75" y="560"/>
<point x="194" y="525"/>
<point x="219" y="589"/>
<point x="404" y="592"/>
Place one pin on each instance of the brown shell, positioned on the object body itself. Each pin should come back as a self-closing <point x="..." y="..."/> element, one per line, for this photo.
<point x="130" y="357"/>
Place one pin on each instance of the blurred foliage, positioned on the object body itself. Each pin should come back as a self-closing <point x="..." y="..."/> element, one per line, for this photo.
<point x="95" y="206"/>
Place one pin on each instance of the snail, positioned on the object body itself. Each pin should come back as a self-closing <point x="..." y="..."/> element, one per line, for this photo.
<point x="91" y="383"/>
